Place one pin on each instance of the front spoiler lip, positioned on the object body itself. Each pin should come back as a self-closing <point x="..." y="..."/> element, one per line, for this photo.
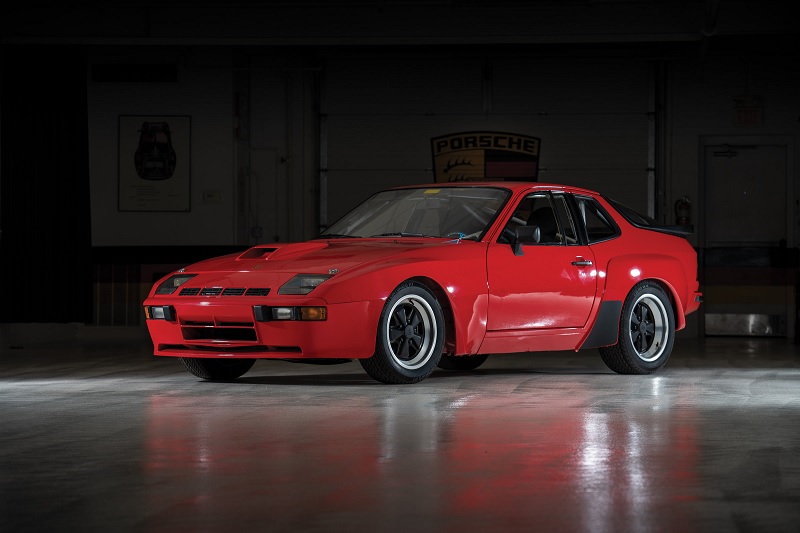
<point x="228" y="329"/>
<point x="260" y="351"/>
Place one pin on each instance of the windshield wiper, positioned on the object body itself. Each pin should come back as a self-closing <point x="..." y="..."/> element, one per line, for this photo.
<point x="401" y="234"/>
<point x="336" y="236"/>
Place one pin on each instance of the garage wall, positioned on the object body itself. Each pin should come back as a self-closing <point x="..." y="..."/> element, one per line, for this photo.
<point x="203" y="91"/>
<point x="254" y="147"/>
<point x="278" y="157"/>
<point x="739" y="163"/>
<point x="379" y="110"/>
<point x="382" y="110"/>
<point x="701" y="103"/>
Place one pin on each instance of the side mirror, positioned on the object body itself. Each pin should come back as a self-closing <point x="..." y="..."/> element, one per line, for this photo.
<point x="525" y="235"/>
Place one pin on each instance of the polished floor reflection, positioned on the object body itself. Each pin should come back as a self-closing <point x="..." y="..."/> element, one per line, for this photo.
<point x="98" y="435"/>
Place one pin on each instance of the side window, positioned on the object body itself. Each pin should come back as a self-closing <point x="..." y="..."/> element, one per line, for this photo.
<point x="599" y="225"/>
<point x="535" y="210"/>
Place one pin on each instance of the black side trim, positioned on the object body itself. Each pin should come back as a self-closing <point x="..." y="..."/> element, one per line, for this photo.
<point x="606" y="327"/>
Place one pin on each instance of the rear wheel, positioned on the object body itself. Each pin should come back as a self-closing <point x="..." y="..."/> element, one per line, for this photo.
<point x="410" y="337"/>
<point x="646" y="332"/>
<point x="217" y="369"/>
<point x="464" y="362"/>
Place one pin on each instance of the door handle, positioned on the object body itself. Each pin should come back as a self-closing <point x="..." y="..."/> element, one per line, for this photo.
<point x="581" y="262"/>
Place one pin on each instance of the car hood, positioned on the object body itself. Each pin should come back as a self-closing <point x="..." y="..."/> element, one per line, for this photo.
<point x="317" y="256"/>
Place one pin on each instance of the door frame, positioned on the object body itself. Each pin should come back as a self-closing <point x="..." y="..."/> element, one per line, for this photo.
<point x="792" y="202"/>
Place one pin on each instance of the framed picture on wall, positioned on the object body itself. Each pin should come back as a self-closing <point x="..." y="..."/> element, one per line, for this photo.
<point x="154" y="163"/>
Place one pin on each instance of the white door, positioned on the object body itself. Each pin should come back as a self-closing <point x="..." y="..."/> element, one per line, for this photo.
<point x="747" y="235"/>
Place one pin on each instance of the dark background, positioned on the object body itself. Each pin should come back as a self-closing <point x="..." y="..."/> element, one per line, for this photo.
<point x="54" y="271"/>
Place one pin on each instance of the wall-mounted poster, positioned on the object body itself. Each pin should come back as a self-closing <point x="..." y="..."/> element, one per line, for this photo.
<point x="154" y="163"/>
<point x="485" y="156"/>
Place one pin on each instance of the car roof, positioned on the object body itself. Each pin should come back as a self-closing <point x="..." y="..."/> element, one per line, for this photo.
<point x="515" y="186"/>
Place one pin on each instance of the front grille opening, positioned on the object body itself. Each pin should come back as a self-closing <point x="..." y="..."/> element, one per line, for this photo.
<point x="219" y="334"/>
<point x="211" y="291"/>
<point x="233" y="292"/>
<point x="257" y="291"/>
<point x="219" y="291"/>
<point x="198" y="323"/>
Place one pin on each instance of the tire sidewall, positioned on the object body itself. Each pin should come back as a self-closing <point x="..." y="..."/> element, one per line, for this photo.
<point x="652" y="290"/>
<point x="385" y="351"/>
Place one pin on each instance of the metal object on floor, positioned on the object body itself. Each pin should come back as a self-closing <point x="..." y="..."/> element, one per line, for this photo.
<point x="740" y="324"/>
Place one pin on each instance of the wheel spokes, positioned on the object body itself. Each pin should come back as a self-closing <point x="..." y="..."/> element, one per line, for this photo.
<point x="410" y="332"/>
<point x="647" y="324"/>
<point x="395" y="334"/>
<point x="642" y="328"/>
<point x="404" y="335"/>
<point x="404" y="349"/>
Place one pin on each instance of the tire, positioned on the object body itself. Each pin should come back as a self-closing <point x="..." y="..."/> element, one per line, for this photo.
<point x="646" y="332"/>
<point x="217" y="369"/>
<point x="410" y="337"/>
<point x="464" y="362"/>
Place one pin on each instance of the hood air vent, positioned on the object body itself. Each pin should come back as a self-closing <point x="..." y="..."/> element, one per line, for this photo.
<point x="256" y="253"/>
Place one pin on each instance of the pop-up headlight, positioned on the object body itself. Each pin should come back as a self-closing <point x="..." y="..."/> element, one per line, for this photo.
<point x="303" y="283"/>
<point x="171" y="284"/>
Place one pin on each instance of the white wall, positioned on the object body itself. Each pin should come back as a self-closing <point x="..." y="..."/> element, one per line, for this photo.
<point x="382" y="106"/>
<point x="382" y="110"/>
<point x="203" y="92"/>
<point x="700" y="105"/>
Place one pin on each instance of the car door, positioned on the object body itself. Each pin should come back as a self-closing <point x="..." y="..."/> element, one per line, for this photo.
<point x="552" y="284"/>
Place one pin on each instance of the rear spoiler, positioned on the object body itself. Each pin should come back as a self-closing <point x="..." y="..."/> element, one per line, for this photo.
<point x="680" y="231"/>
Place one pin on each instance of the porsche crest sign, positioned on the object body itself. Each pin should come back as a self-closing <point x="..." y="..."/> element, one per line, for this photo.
<point x="485" y="156"/>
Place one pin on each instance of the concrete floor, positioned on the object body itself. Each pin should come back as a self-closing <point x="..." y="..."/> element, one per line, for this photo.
<point x="99" y="435"/>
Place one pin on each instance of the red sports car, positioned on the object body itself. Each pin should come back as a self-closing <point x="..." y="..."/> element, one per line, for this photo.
<point x="441" y="276"/>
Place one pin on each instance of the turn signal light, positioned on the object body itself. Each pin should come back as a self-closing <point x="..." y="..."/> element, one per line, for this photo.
<point x="313" y="313"/>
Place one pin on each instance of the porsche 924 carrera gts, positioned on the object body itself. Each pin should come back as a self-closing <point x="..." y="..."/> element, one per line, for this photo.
<point x="442" y="275"/>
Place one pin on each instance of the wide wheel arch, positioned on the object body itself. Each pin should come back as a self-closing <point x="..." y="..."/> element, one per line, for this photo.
<point x="410" y="336"/>
<point x="442" y="296"/>
<point x="597" y="339"/>
<point x="645" y="338"/>
<point x="620" y="280"/>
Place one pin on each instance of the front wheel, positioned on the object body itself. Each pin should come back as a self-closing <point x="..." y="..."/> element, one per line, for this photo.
<point x="410" y="337"/>
<point x="646" y="332"/>
<point x="217" y="369"/>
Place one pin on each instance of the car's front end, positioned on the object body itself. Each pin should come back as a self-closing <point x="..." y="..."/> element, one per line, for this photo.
<point x="225" y="323"/>
<point x="252" y="306"/>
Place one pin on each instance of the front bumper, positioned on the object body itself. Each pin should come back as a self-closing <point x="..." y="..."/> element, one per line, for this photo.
<point x="206" y="328"/>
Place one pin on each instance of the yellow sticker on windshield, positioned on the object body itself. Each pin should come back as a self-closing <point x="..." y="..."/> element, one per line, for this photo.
<point x="432" y="191"/>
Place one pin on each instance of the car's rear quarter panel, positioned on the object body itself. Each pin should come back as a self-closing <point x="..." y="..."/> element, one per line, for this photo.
<point x="639" y="255"/>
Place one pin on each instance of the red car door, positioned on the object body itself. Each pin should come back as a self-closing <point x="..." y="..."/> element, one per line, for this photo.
<point x="553" y="283"/>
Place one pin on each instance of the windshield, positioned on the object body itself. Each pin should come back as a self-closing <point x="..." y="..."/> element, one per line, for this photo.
<point x="459" y="212"/>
